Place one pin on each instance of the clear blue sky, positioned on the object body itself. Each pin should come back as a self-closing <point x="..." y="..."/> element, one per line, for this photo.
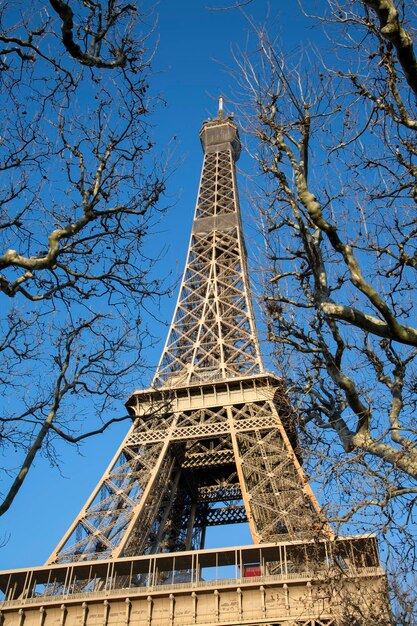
<point x="191" y="63"/>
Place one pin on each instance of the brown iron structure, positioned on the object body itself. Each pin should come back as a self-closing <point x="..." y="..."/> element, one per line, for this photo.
<point x="212" y="442"/>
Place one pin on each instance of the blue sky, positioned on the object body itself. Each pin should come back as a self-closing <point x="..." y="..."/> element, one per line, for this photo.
<point x="193" y="64"/>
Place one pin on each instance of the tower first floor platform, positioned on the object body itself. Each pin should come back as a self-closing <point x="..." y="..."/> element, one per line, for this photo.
<point x="291" y="583"/>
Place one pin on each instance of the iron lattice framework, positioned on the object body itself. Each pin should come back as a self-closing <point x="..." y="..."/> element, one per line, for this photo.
<point x="213" y="331"/>
<point x="212" y="443"/>
<point x="208" y="460"/>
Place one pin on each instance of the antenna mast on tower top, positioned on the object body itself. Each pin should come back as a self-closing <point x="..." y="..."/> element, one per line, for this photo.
<point x="221" y="110"/>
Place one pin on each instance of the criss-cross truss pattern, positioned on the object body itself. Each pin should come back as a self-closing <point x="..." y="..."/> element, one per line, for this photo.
<point x="217" y="194"/>
<point x="212" y="442"/>
<point x="181" y="471"/>
<point x="213" y="334"/>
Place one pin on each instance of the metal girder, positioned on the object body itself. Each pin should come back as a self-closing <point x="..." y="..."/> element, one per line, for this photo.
<point x="232" y="514"/>
<point x="220" y="493"/>
<point x="222" y="442"/>
<point x="213" y="334"/>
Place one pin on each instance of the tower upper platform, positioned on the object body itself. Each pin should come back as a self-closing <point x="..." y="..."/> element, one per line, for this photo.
<point x="220" y="134"/>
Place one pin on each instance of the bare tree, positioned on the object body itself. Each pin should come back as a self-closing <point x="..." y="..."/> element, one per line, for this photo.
<point x="80" y="191"/>
<point x="335" y="128"/>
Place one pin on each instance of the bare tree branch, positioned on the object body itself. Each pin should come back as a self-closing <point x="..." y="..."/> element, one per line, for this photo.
<point x="81" y="193"/>
<point x="392" y="29"/>
<point x="90" y="58"/>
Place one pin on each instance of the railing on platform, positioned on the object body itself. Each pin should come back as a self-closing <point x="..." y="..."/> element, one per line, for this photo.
<point x="279" y="563"/>
<point x="181" y="587"/>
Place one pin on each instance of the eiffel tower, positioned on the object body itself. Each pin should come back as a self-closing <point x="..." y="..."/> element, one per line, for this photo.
<point x="212" y="443"/>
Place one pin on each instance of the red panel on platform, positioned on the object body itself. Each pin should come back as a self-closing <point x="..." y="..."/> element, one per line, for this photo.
<point x="251" y="570"/>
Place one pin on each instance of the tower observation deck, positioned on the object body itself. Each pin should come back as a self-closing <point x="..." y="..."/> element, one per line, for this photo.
<point x="212" y="443"/>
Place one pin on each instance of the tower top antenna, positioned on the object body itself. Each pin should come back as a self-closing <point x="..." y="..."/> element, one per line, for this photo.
<point x="221" y="110"/>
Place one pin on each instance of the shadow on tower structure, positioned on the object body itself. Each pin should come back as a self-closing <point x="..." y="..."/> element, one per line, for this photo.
<point x="212" y="443"/>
